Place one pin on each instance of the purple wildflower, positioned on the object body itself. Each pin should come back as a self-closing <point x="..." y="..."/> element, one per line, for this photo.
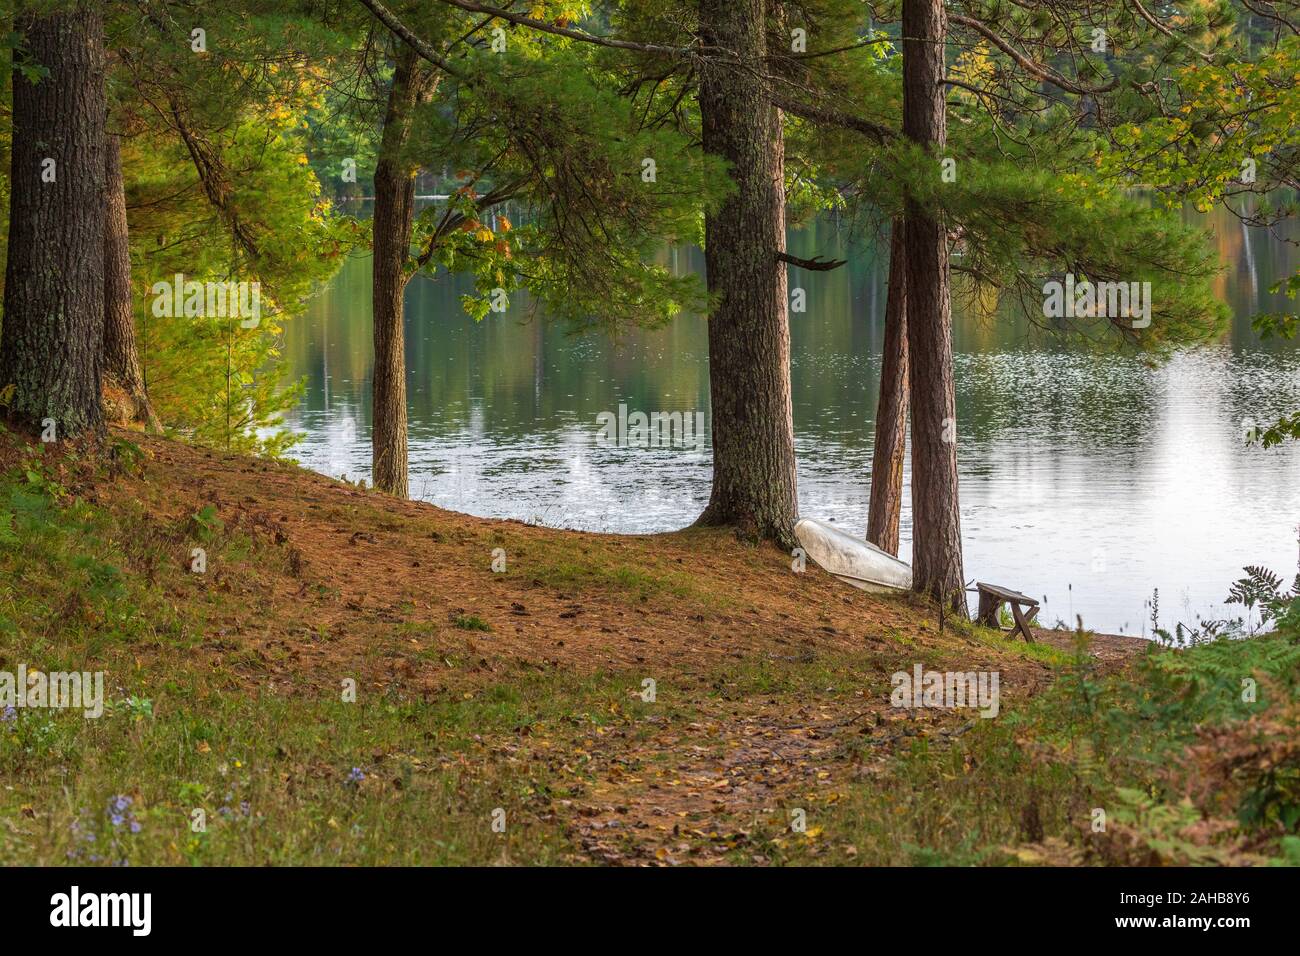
<point x="119" y="812"/>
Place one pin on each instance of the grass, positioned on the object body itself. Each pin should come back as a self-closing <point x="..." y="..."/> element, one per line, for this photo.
<point x="1113" y="770"/>
<point x="232" y="778"/>
<point x="218" y="746"/>
<point x="272" y="781"/>
<point x="470" y="622"/>
<point x="268" y="776"/>
<point x="596" y="570"/>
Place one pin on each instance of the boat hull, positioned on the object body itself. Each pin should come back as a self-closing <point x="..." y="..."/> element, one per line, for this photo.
<point x="851" y="559"/>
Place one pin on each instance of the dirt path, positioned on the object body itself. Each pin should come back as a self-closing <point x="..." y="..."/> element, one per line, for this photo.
<point x="694" y="794"/>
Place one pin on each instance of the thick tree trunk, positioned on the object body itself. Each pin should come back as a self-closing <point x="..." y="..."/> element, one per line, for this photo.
<point x="52" y="338"/>
<point x="886" y="505"/>
<point x="393" y="217"/>
<point x="749" y="334"/>
<point x="121" y="360"/>
<point x="936" y="517"/>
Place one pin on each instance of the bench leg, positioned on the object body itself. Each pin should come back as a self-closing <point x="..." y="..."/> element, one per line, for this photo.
<point x="1021" y="626"/>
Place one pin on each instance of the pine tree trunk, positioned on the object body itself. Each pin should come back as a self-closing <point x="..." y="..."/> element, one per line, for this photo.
<point x="936" y="516"/>
<point x="886" y="504"/>
<point x="754" y="485"/>
<point x="121" y="359"/>
<point x="52" y="338"/>
<point x="392" y="223"/>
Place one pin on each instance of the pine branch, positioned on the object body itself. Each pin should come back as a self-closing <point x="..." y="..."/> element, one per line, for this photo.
<point x="547" y="27"/>
<point x="1038" y="70"/>
<point x="388" y="19"/>
<point x="815" y="264"/>
<point x="830" y="117"/>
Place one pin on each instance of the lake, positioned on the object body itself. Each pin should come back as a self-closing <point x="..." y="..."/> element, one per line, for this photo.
<point x="1088" y="478"/>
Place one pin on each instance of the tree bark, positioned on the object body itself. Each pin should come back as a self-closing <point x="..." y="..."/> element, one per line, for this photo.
<point x="886" y="503"/>
<point x="754" y="481"/>
<point x="51" y="342"/>
<point x="936" y="515"/>
<point x="121" y="359"/>
<point x="392" y="223"/>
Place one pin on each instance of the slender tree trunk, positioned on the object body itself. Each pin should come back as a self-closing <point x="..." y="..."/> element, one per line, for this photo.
<point x="392" y="223"/>
<point x="121" y="359"/>
<point x="51" y="342"/>
<point x="886" y="506"/>
<point x="749" y="335"/>
<point x="936" y="516"/>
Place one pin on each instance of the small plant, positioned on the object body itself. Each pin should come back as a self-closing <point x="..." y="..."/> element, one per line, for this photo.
<point x="1142" y="831"/>
<point x="205" y="523"/>
<point x="93" y="842"/>
<point x="470" y="622"/>
<point x="231" y="810"/>
<point x="38" y="477"/>
<point x="1262" y="589"/>
<point x="126" y="456"/>
<point x="139" y="708"/>
<point x="1154" y="604"/>
<point x="1079" y="681"/>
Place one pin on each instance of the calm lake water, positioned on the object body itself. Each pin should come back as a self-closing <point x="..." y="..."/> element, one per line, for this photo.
<point x="1088" y="479"/>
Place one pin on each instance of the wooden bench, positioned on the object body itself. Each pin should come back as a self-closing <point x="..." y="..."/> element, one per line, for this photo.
<point x="993" y="597"/>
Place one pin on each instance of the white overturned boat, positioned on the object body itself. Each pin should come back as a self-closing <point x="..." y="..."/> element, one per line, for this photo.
<point x="851" y="559"/>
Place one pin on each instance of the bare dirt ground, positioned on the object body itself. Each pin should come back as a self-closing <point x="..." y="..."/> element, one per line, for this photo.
<point x="359" y="565"/>
<point x="404" y="594"/>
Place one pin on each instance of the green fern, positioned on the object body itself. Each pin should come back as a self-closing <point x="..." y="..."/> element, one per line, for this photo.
<point x="1262" y="589"/>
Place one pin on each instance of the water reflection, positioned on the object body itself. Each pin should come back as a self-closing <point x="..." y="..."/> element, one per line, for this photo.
<point x="1088" y="479"/>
